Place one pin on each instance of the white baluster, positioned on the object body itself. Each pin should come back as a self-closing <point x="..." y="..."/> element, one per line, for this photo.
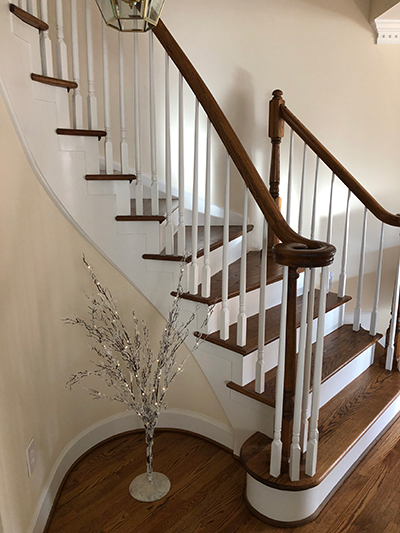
<point x="61" y="47"/>
<point x="295" y="449"/>
<point x="169" y="228"/>
<point x="290" y="176"/>
<point x="392" y="331"/>
<point x="260" y="365"/>
<point x="206" y="272"/>
<point x="308" y="360"/>
<point x="181" y="172"/>
<point x="153" y="137"/>
<point x="312" y="445"/>
<point x="224" y="317"/>
<point x="108" y="147"/>
<point x="357" y="310"/>
<point x="91" y="99"/>
<point x="374" y="314"/>
<point x="276" y="446"/>
<point x="343" y="268"/>
<point x="242" y="317"/>
<point x="45" y="43"/>
<point x="77" y="109"/>
<point x="138" y="138"/>
<point x="194" y="272"/>
<point x="314" y="207"/>
<point x="122" y="188"/>
<point x="31" y="7"/>
<point x="329" y="226"/>
<point x="303" y="177"/>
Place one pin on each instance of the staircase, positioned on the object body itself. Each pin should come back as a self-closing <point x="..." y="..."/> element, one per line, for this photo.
<point x="304" y="389"/>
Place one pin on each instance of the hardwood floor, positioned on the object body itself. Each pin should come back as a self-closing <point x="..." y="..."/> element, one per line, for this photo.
<point x="207" y="491"/>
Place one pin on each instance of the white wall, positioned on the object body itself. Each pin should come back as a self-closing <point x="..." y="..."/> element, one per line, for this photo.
<point x="42" y="281"/>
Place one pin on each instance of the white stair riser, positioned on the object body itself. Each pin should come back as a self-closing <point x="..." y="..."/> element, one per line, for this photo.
<point x="245" y="373"/>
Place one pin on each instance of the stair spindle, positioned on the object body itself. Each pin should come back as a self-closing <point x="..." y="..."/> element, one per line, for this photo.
<point x="276" y="446"/>
<point x="91" y="98"/>
<point x="224" y="316"/>
<point x="302" y="186"/>
<point x="329" y="225"/>
<point x="242" y="317"/>
<point x="374" y="314"/>
<point x="290" y="179"/>
<point x="181" y="174"/>
<point x="295" y="448"/>
<point x="260" y="365"/>
<point x="77" y="105"/>
<point x="31" y="7"/>
<point x="194" y="271"/>
<point x="45" y="43"/>
<point x="314" y="207"/>
<point x="153" y="135"/>
<point x="138" y="133"/>
<point x="122" y="188"/>
<point x="61" y="47"/>
<point x="390" y="353"/>
<point x="357" y="310"/>
<point x="206" y="272"/>
<point x="312" y="445"/>
<point x="308" y="360"/>
<point x="343" y="267"/>
<point x="108" y="147"/>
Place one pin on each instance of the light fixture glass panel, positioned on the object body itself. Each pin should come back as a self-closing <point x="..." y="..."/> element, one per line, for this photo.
<point x="124" y="15"/>
<point x="153" y="11"/>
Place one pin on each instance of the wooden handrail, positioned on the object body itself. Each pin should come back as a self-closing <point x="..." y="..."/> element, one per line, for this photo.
<point x="317" y="252"/>
<point x="339" y="170"/>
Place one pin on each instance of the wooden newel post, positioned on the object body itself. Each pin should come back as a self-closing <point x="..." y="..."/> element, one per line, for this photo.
<point x="275" y="132"/>
<point x="290" y="363"/>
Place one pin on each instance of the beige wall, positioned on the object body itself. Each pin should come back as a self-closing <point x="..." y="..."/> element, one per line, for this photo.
<point x="42" y="281"/>
<point x="378" y="7"/>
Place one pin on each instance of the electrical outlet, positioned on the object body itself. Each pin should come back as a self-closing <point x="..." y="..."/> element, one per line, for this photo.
<point x="31" y="457"/>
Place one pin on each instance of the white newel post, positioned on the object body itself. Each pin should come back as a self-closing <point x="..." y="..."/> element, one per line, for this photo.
<point x="77" y="107"/>
<point x="61" y="47"/>
<point x="374" y="314"/>
<point x="108" y="148"/>
<point x="91" y="99"/>
<point x="357" y="310"/>
<point x="45" y="43"/>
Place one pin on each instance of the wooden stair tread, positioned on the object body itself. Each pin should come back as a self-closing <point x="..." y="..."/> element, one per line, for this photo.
<point x="29" y="19"/>
<point x="216" y="241"/>
<point x="343" y="420"/>
<point x="147" y="216"/>
<point x="81" y="132"/>
<point x="110" y="177"/>
<point x="272" y="321"/>
<point x="340" y="347"/>
<point x="55" y="82"/>
<point x="253" y="269"/>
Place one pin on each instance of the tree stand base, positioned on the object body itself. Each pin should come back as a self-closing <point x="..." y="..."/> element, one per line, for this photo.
<point x="143" y="491"/>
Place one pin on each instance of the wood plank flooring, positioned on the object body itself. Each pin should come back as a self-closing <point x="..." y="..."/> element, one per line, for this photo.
<point x="207" y="491"/>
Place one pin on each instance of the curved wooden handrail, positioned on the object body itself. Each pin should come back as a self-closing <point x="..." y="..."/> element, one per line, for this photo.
<point x="239" y="155"/>
<point x="339" y="170"/>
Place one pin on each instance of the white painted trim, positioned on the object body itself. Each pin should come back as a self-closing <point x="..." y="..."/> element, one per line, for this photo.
<point x="293" y="506"/>
<point x="388" y="31"/>
<point x="113" y="425"/>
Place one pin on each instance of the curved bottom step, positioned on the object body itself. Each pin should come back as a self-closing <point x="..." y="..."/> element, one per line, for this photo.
<point x="350" y="424"/>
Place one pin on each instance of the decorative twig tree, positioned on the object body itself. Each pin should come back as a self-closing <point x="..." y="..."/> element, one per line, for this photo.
<point x="138" y="378"/>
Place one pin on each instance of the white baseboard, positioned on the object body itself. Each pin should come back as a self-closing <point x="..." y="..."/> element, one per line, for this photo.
<point x="114" y="425"/>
